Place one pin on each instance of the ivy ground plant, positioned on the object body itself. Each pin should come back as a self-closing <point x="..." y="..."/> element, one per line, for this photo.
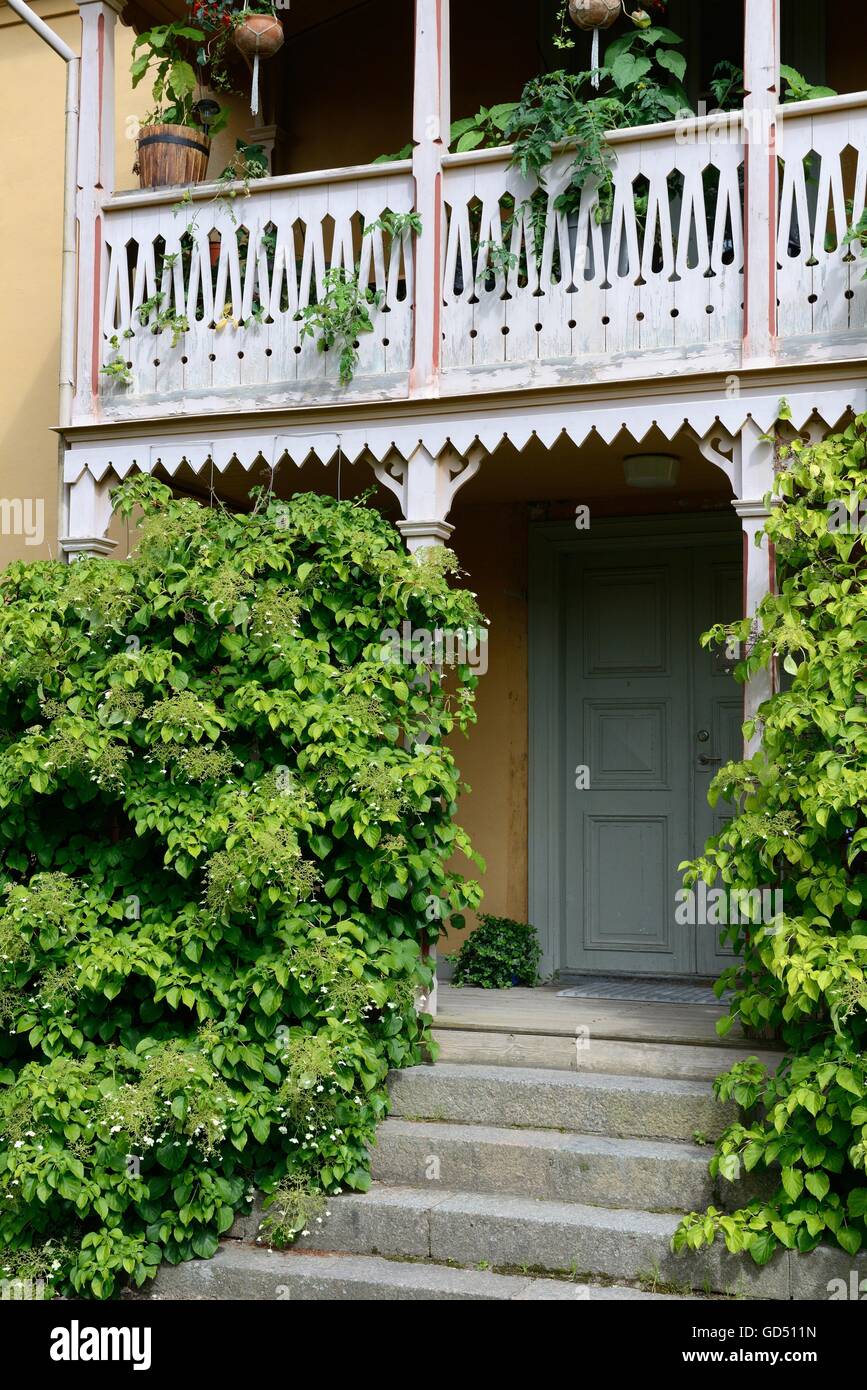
<point x="500" y="953"/>
<point x="801" y="827"/>
<point x="226" y="818"/>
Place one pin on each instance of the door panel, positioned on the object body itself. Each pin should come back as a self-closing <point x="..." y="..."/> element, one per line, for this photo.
<point x="647" y="714"/>
<point x="627" y="703"/>
<point x="626" y="911"/>
<point x="627" y="743"/>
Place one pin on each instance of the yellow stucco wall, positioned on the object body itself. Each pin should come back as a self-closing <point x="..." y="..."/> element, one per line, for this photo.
<point x="32" y="82"/>
<point x="491" y="544"/>
<point x="32" y="88"/>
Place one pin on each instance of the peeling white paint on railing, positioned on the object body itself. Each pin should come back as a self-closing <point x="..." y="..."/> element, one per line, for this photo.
<point x="665" y="272"/>
<point x="820" y="278"/>
<point x="519" y="288"/>
<point x="223" y="262"/>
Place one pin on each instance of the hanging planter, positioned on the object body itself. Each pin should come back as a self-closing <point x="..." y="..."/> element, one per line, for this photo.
<point x="169" y="154"/>
<point x="594" y="14"/>
<point x="257" y="36"/>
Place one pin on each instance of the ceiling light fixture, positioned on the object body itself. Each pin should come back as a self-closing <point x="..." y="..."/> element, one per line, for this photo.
<point x="651" y="472"/>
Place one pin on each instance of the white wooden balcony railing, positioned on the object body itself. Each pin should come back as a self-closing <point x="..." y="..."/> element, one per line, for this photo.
<point x="240" y="271"/>
<point x="665" y="272"/>
<point x="551" y="298"/>
<point x="820" y="278"/>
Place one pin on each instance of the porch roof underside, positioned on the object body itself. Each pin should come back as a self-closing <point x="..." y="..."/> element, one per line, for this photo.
<point x="142" y="14"/>
<point x="217" y="445"/>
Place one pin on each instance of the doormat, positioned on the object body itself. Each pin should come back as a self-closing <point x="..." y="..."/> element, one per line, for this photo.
<point x="647" y="991"/>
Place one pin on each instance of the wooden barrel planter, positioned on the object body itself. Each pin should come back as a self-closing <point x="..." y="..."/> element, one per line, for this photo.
<point x="170" y="154"/>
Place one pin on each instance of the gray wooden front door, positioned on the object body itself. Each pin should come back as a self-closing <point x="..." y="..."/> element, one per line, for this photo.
<point x="648" y="715"/>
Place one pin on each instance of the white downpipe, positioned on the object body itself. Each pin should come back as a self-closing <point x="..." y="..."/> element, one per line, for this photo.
<point x="41" y="28"/>
<point x="69" y="271"/>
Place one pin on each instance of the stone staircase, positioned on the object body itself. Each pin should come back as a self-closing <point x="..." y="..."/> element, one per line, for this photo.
<point x="498" y="1182"/>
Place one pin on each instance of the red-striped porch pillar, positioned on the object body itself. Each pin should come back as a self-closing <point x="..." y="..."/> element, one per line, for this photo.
<point x="761" y="83"/>
<point x="431" y="124"/>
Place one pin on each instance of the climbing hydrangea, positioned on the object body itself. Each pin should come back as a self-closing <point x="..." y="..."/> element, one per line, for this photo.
<point x="223" y="822"/>
<point x="801" y="826"/>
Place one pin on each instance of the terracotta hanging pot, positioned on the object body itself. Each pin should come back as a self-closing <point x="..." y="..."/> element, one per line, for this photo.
<point x="258" y="36"/>
<point x="594" y="14"/>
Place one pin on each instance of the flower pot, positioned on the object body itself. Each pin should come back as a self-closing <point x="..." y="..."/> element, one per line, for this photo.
<point x="594" y="14"/>
<point x="170" y="154"/>
<point x="259" y="36"/>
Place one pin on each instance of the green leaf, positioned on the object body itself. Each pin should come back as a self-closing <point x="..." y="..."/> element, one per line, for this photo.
<point x="205" y="1245"/>
<point x="849" y="1239"/>
<point x="182" y="79"/>
<point x="818" y="1184"/>
<point x="171" y="1155"/>
<point x="846" y="1079"/>
<point x="270" y="1001"/>
<point x="459" y="128"/>
<point x="730" y="1167"/>
<point x="762" y="1247"/>
<point x="856" y="1202"/>
<point x="627" y="69"/>
<point x="672" y="61"/>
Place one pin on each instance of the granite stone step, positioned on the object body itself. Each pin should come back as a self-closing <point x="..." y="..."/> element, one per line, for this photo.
<point x="650" y="1175"/>
<point x="619" y="1106"/>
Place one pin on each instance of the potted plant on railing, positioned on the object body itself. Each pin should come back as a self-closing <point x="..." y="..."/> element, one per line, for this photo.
<point x="174" y="142"/>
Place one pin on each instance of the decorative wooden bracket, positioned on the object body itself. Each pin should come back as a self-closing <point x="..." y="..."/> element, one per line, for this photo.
<point x="426" y="487"/>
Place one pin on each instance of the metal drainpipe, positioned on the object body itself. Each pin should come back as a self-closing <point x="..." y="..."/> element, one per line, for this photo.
<point x="69" y="270"/>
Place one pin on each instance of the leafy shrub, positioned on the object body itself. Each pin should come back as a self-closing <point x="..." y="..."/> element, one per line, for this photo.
<point x="499" y="954"/>
<point x="223" y="843"/>
<point x="801" y="826"/>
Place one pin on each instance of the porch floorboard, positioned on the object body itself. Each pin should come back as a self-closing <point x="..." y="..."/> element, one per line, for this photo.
<point x="542" y="1010"/>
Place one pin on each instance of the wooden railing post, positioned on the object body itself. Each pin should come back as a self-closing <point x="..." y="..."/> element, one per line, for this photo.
<point x="762" y="86"/>
<point x="430" y="132"/>
<point x="95" y="181"/>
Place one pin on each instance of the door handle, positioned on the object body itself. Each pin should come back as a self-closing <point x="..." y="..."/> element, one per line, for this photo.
<point x="707" y="762"/>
